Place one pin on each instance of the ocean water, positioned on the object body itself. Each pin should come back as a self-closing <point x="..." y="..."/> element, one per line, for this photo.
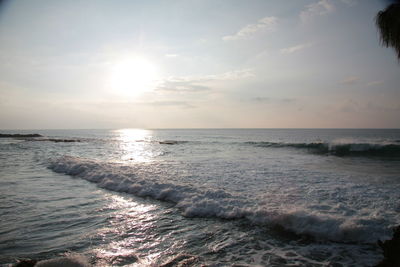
<point x="211" y="197"/>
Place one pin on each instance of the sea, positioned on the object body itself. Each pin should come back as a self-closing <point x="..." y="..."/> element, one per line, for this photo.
<point x="200" y="197"/>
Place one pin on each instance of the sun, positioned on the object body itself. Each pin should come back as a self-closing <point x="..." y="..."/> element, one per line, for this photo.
<point x="133" y="76"/>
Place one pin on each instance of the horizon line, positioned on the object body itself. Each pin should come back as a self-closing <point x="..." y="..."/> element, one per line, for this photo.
<point x="205" y="128"/>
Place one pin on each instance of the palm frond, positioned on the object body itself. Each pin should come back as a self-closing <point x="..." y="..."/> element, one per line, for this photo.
<point x="388" y="22"/>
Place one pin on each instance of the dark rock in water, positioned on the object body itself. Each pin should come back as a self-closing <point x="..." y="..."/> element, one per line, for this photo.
<point x="25" y="263"/>
<point x="55" y="140"/>
<point x="168" y="142"/>
<point x="38" y="137"/>
<point x="20" y="135"/>
<point x="391" y="250"/>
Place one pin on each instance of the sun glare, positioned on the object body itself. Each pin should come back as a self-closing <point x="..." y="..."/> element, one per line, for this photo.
<point x="133" y="76"/>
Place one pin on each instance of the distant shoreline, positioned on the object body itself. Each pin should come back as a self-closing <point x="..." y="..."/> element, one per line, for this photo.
<point x="20" y="135"/>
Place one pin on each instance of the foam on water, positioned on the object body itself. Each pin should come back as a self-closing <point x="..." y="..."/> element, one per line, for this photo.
<point x="338" y="223"/>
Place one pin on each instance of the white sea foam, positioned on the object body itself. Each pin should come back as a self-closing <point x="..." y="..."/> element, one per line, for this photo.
<point x="200" y="201"/>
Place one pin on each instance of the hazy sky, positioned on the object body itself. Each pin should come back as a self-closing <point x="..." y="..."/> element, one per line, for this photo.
<point x="195" y="63"/>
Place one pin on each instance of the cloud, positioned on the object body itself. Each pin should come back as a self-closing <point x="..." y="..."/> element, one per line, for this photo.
<point x="382" y="108"/>
<point x="268" y="100"/>
<point x="261" y="99"/>
<point x="319" y="8"/>
<point x="264" y="24"/>
<point x="296" y="48"/>
<point x="352" y="106"/>
<point x="181" y="86"/>
<point x="348" y="106"/>
<point x="123" y="105"/>
<point x="171" y="55"/>
<point x="200" y="83"/>
<point x="350" y="2"/>
<point x="374" y="83"/>
<point x="231" y="75"/>
<point x="183" y="104"/>
<point x="350" y="80"/>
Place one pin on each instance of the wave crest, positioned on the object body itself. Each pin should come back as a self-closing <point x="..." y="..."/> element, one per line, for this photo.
<point x="340" y="148"/>
<point x="194" y="201"/>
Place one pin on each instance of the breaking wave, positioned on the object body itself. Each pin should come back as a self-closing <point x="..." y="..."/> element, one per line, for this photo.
<point x="340" y="148"/>
<point x="195" y="201"/>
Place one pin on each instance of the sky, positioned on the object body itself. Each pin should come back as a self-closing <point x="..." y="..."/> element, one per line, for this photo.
<point x="195" y="64"/>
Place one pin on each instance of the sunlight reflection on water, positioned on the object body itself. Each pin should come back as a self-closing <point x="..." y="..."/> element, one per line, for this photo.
<point x="131" y="223"/>
<point x="136" y="145"/>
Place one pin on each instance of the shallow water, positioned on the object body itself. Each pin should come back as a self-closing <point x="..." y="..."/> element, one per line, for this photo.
<point x="214" y="197"/>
